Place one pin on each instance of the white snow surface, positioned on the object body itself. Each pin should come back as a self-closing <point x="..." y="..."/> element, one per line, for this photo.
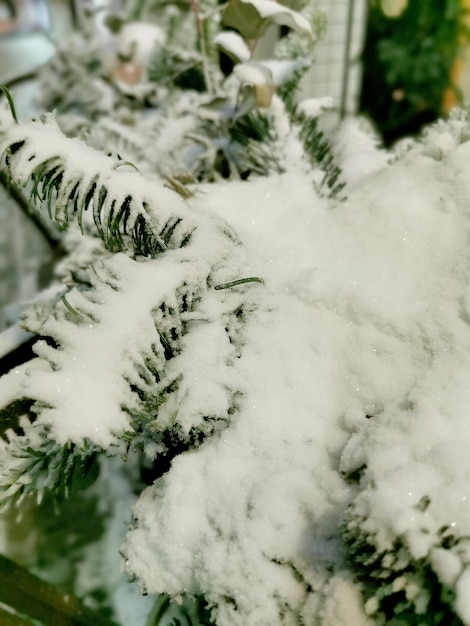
<point x="359" y="354"/>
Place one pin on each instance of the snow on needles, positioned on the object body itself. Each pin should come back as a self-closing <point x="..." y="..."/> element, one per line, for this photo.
<point x="343" y="379"/>
<point x="359" y="356"/>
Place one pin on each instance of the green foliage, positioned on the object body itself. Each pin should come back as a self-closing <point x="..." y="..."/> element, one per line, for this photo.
<point x="400" y="590"/>
<point x="318" y="150"/>
<point x="409" y="62"/>
<point x="33" y="463"/>
<point x="423" y="46"/>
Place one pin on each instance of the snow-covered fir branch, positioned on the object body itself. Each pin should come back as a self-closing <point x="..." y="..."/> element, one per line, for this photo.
<point x="279" y="370"/>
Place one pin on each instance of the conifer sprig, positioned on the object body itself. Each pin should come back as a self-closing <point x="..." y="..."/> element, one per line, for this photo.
<point x="73" y="181"/>
<point x="140" y="355"/>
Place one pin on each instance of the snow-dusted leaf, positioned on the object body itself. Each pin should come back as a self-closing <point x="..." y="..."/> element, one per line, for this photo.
<point x="251" y="17"/>
<point x="233" y="45"/>
<point x="260" y="77"/>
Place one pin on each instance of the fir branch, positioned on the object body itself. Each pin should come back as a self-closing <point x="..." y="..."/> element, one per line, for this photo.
<point x="237" y="148"/>
<point x="179" y="68"/>
<point x="150" y="384"/>
<point x="318" y="150"/>
<point x="398" y="585"/>
<point x="254" y="140"/>
<point x="74" y="181"/>
<point x="31" y="462"/>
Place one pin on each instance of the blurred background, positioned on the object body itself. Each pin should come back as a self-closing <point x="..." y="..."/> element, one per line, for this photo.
<point x="400" y="63"/>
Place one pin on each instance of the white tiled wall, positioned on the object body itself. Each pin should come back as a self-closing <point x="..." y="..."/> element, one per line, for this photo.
<point x="333" y="61"/>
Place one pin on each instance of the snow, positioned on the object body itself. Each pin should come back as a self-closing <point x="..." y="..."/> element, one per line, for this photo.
<point x="226" y="541"/>
<point x="352" y="355"/>
<point x="75" y="405"/>
<point x="358" y="355"/>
